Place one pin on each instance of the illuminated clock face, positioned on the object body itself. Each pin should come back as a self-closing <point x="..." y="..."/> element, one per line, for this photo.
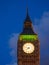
<point x="28" y="48"/>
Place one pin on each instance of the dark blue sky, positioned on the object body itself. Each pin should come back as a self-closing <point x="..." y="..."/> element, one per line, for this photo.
<point x="12" y="15"/>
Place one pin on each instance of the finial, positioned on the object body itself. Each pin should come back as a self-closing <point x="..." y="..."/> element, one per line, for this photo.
<point x="27" y="3"/>
<point x="27" y="12"/>
<point x="27" y="7"/>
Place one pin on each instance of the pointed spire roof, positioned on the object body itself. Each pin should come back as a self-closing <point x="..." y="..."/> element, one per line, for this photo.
<point x="28" y="29"/>
<point x="27" y="17"/>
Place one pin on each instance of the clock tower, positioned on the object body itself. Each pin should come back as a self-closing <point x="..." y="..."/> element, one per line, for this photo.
<point x="28" y="46"/>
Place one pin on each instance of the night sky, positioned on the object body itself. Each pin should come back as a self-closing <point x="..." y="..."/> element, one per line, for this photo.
<point x="12" y="16"/>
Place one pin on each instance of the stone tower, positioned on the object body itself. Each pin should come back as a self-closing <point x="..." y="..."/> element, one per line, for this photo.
<point x="28" y="46"/>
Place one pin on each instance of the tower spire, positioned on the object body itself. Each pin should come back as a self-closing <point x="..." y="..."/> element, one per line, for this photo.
<point x="27" y="23"/>
<point x="27" y="14"/>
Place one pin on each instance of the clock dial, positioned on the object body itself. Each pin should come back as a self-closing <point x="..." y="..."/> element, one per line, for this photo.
<point x="28" y="47"/>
